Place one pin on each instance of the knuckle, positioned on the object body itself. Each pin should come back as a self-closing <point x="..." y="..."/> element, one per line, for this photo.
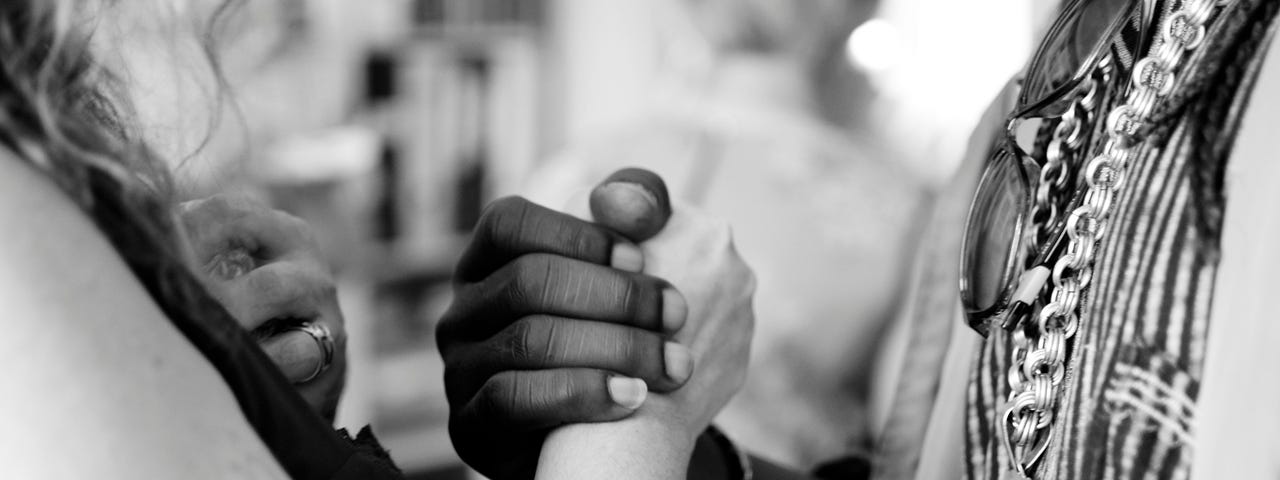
<point x="502" y="219"/>
<point x="520" y="342"/>
<point x="498" y="396"/>
<point x="529" y="285"/>
<point x="542" y="341"/>
<point x="268" y="282"/>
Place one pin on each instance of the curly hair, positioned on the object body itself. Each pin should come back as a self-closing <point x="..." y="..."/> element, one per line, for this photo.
<point x="62" y="112"/>
<point x="68" y="115"/>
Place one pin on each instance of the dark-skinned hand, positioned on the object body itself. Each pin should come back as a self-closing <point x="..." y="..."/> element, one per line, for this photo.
<point x="551" y="323"/>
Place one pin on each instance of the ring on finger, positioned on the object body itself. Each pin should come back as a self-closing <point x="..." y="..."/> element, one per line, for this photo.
<point x="324" y="340"/>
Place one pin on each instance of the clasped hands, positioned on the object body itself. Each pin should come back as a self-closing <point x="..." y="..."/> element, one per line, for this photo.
<point x="623" y="305"/>
<point x="559" y="319"/>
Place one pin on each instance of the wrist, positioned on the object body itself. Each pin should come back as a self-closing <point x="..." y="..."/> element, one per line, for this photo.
<point x="639" y="447"/>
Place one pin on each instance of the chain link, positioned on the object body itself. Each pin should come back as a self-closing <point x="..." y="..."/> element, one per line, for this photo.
<point x="1039" y="356"/>
<point x="1055" y="175"/>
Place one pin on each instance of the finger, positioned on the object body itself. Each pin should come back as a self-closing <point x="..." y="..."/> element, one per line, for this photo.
<point x="222" y="223"/>
<point x="633" y="202"/>
<point x="536" y="399"/>
<point x="299" y="290"/>
<point x="551" y="285"/>
<point x="512" y="227"/>
<point x="296" y="354"/>
<point x="325" y="390"/>
<point x="515" y="409"/>
<point x="624" y="256"/>
<point x="543" y="342"/>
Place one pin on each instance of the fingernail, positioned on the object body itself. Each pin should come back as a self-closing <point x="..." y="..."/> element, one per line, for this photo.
<point x="628" y="392"/>
<point x="628" y="208"/>
<point x="630" y="197"/>
<point x="674" y="310"/>
<point x="627" y="257"/>
<point x="679" y="361"/>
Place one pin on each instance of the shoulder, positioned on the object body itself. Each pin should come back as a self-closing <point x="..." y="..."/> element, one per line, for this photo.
<point x="99" y="381"/>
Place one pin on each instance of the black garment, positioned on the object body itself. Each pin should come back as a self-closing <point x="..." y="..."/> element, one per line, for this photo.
<point x="304" y="444"/>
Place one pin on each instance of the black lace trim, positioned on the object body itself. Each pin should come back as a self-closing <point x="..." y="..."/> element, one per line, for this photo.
<point x="368" y="447"/>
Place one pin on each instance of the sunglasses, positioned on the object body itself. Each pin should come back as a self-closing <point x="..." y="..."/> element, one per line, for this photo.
<point x="998" y="284"/>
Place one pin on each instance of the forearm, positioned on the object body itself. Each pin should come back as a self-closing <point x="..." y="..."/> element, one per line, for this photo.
<point x="642" y="449"/>
<point x="637" y="448"/>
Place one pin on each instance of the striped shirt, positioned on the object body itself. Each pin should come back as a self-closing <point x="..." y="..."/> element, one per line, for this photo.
<point x="1129" y="396"/>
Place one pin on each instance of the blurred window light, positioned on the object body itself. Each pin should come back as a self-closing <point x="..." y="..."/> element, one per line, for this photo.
<point x="875" y="46"/>
<point x="949" y="60"/>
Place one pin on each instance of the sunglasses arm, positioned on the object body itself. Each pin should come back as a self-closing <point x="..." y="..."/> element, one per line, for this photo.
<point x="1029" y="287"/>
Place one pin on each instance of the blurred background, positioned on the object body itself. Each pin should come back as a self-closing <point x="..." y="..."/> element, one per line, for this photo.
<point x="818" y="127"/>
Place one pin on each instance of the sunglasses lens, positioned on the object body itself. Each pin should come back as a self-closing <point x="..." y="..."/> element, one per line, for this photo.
<point x="1075" y="41"/>
<point x="992" y="230"/>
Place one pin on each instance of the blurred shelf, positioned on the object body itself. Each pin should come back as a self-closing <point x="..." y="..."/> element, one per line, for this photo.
<point x="412" y="413"/>
<point x="409" y="385"/>
<point x="405" y="265"/>
<point x="418" y="450"/>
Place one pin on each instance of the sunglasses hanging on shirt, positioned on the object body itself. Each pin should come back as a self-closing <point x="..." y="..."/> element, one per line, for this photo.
<point x="1036" y="221"/>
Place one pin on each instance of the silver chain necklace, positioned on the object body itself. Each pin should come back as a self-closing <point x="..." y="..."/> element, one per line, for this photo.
<point x="1038" y="368"/>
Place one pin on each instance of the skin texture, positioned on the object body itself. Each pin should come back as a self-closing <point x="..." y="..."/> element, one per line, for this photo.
<point x="98" y="382"/>
<point x="104" y="385"/>
<point x="696" y="253"/>
<point x="265" y="267"/>
<point x="550" y="311"/>
<point x="182" y="110"/>
<point x="541" y="325"/>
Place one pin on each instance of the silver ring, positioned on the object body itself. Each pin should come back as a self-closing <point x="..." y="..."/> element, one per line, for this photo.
<point x="324" y="340"/>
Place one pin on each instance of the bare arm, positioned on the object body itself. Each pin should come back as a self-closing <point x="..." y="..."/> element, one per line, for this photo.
<point x="639" y="447"/>
<point x="98" y="384"/>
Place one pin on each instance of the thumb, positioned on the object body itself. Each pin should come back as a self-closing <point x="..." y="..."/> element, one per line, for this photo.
<point x="633" y="202"/>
